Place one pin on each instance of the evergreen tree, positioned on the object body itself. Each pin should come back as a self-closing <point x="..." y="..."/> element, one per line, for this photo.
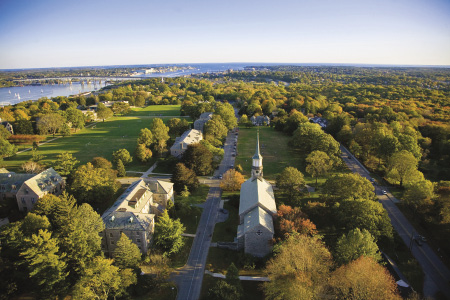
<point x="354" y="245"/>
<point x="182" y="177"/>
<point x="120" y="169"/>
<point x="65" y="163"/>
<point x="232" y="278"/>
<point x="126" y="254"/>
<point x="168" y="234"/>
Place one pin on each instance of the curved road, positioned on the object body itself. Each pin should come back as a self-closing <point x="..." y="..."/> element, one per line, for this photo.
<point x="436" y="273"/>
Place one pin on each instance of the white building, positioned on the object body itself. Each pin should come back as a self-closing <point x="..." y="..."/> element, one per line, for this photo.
<point x="188" y="137"/>
<point x="257" y="209"/>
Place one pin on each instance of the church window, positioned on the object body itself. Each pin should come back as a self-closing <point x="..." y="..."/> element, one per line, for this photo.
<point x="259" y="232"/>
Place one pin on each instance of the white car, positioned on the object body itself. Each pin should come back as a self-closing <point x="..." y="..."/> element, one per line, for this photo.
<point x="384" y="192"/>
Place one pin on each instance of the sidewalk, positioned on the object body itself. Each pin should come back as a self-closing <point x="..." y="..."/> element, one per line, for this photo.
<point x="248" y="278"/>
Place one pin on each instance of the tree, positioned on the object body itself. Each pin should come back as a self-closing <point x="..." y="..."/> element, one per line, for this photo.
<point x="32" y="167"/>
<point x="183" y="176"/>
<point x="402" y="167"/>
<point x="198" y="158"/>
<point x="101" y="162"/>
<point x="123" y="155"/>
<point x="318" y="164"/>
<point x="65" y="163"/>
<point x="363" y="279"/>
<point x="140" y="101"/>
<point x="50" y="123"/>
<point x="232" y="278"/>
<point x="143" y="154"/>
<point x="223" y="291"/>
<point x="102" y="280"/>
<point x="160" y="134"/>
<point x="291" y="220"/>
<point x="299" y="270"/>
<point x="76" y="117"/>
<point x="23" y="127"/>
<point x="4" y="133"/>
<point x="348" y="186"/>
<point x="355" y="244"/>
<point x="419" y="193"/>
<point x="126" y="254"/>
<point x="93" y="185"/>
<point x="177" y="126"/>
<point x="6" y="149"/>
<point x="121" y="108"/>
<point x="226" y="112"/>
<point x="309" y="137"/>
<point x="215" y="130"/>
<point x="231" y="181"/>
<point x="168" y="234"/>
<point x="104" y="112"/>
<point x="45" y="265"/>
<point x="65" y="130"/>
<point x="145" y="137"/>
<point x="121" y="172"/>
<point x="244" y="121"/>
<point x="290" y="181"/>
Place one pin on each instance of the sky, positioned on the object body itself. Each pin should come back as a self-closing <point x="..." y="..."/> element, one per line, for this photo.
<point x="56" y="33"/>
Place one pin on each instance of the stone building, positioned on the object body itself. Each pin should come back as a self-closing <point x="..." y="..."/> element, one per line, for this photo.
<point x="36" y="187"/>
<point x="260" y="120"/>
<point x="134" y="214"/>
<point x="199" y="124"/>
<point x="188" y="137"/>
<point x="257" y="209"/>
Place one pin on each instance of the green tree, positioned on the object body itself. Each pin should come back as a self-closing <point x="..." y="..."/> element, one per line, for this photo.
<point x="355" y="244"/>
<point x="223" y="291"/>
<point x="145" y="137"/>
<point x="226" y="112"/>
<point x="309" y="137"/>
<point x="65" y="163"/>
<point x="299" y="270"/>
<point x="168" y="234"/>
<point x="198" y="158"/>
<point x="215" y="130"/>
<point x="65" y="130"/>
<point x="348" y="186"/>
<point x="290" y="181"/>
<point x="45" y="264"/>
<point x="183" y="176"/>
<point x="121" y="172"/>
<point x="104" y="112"/>
<point x="177" y="126"/>
<point x="50" y="123"/>
<point x="143" y="154"/>
<point x="6" y="149"/>
<point x="403" y="167"/>
<point x="318" y="164"/>
<point x="4" y="133"/>
<point x="76" y="117"/>
<point x="140" y="101"/>
<point x="419" y="193"/>
<point x="123" y="155"/>
<point x="160" y="135"/>
<point x="101" y="163"/>
<point x="232" y="278"/>
<point x="102" y="280"/>
<point x="126" y="254"/>
<point x="244" y="121"/>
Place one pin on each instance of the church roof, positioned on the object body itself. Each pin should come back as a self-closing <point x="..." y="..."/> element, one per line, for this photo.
<point x="257" y="154"/>
<point x="256" y="217"/>
<point x="257" y="192"/>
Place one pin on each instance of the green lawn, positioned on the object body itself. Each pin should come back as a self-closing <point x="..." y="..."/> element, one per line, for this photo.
<point x="226" y="231"/>
<point x="252" y="289"/>
<point x="100" y="140"/>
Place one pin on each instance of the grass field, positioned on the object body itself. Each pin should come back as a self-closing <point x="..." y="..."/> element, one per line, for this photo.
<point x="101" y="140"/>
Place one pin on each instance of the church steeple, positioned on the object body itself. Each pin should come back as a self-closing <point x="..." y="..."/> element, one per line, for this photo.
<point x="257" y="166"/>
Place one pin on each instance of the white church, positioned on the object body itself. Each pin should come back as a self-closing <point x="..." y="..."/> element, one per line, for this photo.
<point x="257" y="209"/>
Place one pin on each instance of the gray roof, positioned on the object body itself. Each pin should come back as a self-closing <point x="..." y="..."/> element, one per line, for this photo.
<point x="160" y="186"/>
<point x="257" y="192"/>
<point x="256" y="217"/>
<point x="257" y="154"/>
<point x="133" y="193"/>
<point x="206" y="115"/>
<point x="127" y="220"/>
<point x="11" y="178"/>
<point x="44" y="181"/>
<point x="188" y="137"/>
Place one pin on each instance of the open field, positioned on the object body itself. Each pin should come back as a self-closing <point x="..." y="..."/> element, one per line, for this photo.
<point x="100" y="140"/>
<point x="156" y="110"/>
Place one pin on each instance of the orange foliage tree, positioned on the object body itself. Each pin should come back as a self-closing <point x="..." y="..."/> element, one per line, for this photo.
<point x="293" y="220"/>
<point x="231" y="181"/>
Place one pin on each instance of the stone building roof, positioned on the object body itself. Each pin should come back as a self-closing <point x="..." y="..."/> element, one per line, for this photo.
<point x="188" y="137"/>
<point x="128" y="201"/>
<point x="257" y="192"/>
<point x="44" y="181"/>
<point x="127" y="220"/>
<point x="7" y="180"/>
<point x="256" y="217"/>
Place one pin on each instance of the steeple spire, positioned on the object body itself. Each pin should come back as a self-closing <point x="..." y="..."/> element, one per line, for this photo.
<point x="257" y="166"/>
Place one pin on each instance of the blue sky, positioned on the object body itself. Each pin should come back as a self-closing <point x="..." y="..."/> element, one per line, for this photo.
<point x="51" y="33"/>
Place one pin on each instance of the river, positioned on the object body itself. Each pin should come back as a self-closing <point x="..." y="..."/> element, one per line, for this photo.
<point x="14" y="95"/>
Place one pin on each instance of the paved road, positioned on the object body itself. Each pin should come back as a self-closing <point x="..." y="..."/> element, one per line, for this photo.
<point x="190" y="277"/>
<point x="437" y="274"/>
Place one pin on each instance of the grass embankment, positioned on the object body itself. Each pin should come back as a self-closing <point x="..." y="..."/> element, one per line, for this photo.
<point x="102" y="139"/>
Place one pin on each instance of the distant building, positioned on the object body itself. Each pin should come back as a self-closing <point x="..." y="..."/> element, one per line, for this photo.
<point x="199" y="124"/>
<point x="134" y="212"/>
<point x="36" y="187"/>
<point x="318" y="120"/>
<point x="188" y="137"/>
<point x="7" y="125"/>
<point x="257" y="209"/>
<point x="260" y="120"/>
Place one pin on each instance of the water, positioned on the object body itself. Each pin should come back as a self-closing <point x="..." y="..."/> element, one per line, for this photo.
<point x="9" y="96"/>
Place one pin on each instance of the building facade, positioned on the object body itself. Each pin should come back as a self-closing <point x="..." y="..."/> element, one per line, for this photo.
<point x="134" y="213"/>
<point x="257" y="209"/>
<point x="188" y="137"/>
<point x="199" y="124"/>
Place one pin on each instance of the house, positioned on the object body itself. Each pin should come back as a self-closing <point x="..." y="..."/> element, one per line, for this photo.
<point x="7" y="125"/>
<point x="188" y="137"/>
<point x="257" y="209"/>
<point x="134" y="212"/>
<point x="36" y="187"/>
<point x="260" y="120"/>
<point x="199" y="124"/>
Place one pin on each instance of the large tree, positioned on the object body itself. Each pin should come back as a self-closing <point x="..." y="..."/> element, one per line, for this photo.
<point x="183" y="176"/>
<point x="231" y="181"/>
<point x="419" y="193"/>
<point x="104" y="112"/>
<point x="126" y="254"/>
<point x="198" y="158"/>
<point x="215" y="130"/>
<point x="50" y="123"/>
<point x="143" y="154"/>
<point x="226" y="112"/>
<point x="65" y="163"/>
<point x="123" y="155"/>
<point x="348" y="186"/>
<point x="299" y="270"/>
<point x="363" y="279"/>
<point x="290" y="181"/>
<point x="354" y="244"/>
<point x="160" y="134"/>
<point x="145" y="137"/>
<point x="318" y="164"/>
<point x="168" y="234"/>
<point x="402" y="168"/>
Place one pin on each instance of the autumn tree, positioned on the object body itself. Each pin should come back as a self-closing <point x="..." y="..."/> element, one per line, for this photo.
<point x="299" y="270"/>
<point x="318" y="164"/>
<point x="101" y="162"/>
<point x="363" y="279"/>
<point x="32" y="167"/>
<point x="121" y="172"/>
<point x="354" y="244"/>
<point x="291" y="220"/>
<point x="183" y="176"/>
<point x="290" y="181"/>
<point x="231" y="180"/>
<point x="168" y="234"/>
